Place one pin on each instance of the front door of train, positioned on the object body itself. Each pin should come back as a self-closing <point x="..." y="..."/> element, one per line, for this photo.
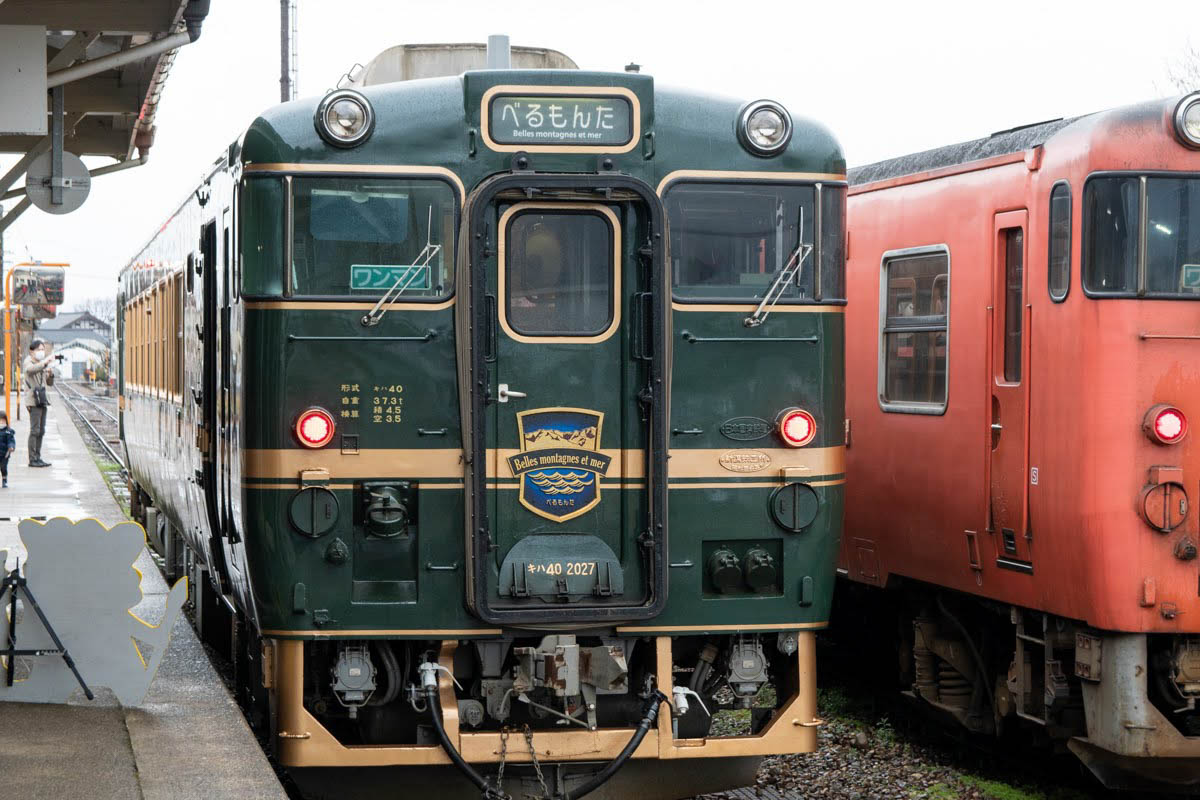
<point x="571" y="485"/>
<point x="1008" y="378"/>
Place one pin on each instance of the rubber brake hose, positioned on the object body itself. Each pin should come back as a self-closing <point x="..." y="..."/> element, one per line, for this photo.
<point x="489" y="792"/>
<point x="649" y="718"/>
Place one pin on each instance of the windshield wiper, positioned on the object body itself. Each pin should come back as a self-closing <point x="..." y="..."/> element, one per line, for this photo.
<point x="421" y="262"/>
<point x="785" y="276"/>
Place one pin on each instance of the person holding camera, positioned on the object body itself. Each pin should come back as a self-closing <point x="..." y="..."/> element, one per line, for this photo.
<point x="36" y="367"/>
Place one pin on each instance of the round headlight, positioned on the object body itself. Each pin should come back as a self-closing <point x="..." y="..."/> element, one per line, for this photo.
<point x="1187" y="120"/>
<point x="764" y="127"/>
<point x="344" y="118"/>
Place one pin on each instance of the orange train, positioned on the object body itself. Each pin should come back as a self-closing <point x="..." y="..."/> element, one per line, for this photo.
<point x="1023" y="357"/>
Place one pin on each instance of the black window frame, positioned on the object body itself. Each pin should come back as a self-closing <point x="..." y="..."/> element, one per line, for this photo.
<point x="1140" y="269"/>
<point x="1050" y="241"/>
<point x="817" y="254"/>
<point x="911" y="406"/>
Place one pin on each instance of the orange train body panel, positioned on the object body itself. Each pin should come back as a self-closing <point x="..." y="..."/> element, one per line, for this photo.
<point x="929" y="497"/>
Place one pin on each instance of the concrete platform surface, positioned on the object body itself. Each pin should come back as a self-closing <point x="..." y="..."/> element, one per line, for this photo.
<point x="187" y="740"/>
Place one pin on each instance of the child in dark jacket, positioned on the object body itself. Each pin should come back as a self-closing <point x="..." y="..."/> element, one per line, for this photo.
<point x="8" y="443"/>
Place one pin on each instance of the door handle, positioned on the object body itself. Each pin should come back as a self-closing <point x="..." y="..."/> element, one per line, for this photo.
<point x="504" y="393"/>
<point x="997" y="427"/>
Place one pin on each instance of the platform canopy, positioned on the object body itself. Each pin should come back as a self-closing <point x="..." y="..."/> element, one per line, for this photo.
<point x="82" y="78"/>
<point x="110" y="113"/>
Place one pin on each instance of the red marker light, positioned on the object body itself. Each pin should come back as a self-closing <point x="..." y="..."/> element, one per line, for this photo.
<point x="1165" y="424"/>
<point x="796" y="427"/>
<point x="314" y="428"/>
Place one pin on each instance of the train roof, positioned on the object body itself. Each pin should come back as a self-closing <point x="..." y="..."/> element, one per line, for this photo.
<point x="1013" y="140"/>
<point x="436" y="121"/>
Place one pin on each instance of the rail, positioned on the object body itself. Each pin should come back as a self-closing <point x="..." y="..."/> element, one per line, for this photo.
<point x="112" y="454"/>
<point x="63" y="384"/>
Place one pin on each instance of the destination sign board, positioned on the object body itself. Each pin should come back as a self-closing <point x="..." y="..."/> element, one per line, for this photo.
<point x="381" y="277"/>
<point x="561" y="120"/>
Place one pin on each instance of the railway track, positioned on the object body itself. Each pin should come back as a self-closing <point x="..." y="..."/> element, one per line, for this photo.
<point x="99" y="422"/>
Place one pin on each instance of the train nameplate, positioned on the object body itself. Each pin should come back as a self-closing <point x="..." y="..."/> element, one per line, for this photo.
<point x="745" y="460"/>
<point x="560" y="120"/>
<point x="745" y="429"/>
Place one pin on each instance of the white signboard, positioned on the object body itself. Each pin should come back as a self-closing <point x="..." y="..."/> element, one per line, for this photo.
<point x="23" y="79"/>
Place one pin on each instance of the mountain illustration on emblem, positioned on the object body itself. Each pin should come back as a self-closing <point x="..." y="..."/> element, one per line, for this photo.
<point x="549" y="437"/>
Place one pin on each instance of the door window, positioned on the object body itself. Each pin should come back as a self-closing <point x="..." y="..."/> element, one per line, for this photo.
<point x="558" y="273"/>
<point x="1014" y="242"/>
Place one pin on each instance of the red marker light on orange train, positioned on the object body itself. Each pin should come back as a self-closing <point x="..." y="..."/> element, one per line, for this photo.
<point x="1165" y="424"/>
<point x="314" y="428"/>
<point x="797" y="427"/>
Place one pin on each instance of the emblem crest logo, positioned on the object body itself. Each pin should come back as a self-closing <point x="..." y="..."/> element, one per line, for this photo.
<point x="560" y="463"/>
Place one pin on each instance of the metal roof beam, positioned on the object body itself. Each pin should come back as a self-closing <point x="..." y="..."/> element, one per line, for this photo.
<point x="75" y="49"/>
<point x="109" y="16"/>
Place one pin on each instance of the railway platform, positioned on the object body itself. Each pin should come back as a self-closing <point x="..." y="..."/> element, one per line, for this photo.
<point x="187" y="740"/>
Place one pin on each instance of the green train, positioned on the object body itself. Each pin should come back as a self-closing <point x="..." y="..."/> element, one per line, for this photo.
<point x="497" y="420"/>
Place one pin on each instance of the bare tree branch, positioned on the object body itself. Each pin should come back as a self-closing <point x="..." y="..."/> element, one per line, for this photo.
<point x="1184" y="71"/>
<point x="102" y="308"/>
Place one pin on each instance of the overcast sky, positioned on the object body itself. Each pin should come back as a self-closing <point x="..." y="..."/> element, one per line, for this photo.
<point x="887" y="77"/>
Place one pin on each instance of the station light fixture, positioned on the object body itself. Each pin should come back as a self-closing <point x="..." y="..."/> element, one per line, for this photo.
<point x="764" y="127"/>
<point x="797" y="427"/>
<point x="314" y="428"/>
<point x="344" y="118"/>
<point x="1187" y="120"/>
<point x="1165" y="424"/>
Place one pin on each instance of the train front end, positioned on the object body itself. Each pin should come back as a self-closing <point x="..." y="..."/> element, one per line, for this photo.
<point x="543" y="457"/>
<point x="1138" y="664"/>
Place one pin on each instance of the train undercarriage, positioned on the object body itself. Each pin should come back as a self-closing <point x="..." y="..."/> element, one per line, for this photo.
<point x="1124" y="704"/>
<point x="542" y="714"/>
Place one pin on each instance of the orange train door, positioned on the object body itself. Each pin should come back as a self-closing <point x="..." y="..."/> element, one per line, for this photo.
<point x="1008" y="382"/>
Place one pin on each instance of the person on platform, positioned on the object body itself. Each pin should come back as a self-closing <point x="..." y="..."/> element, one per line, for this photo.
<point x="8" y="445"/>
<point x="34" y="369"/>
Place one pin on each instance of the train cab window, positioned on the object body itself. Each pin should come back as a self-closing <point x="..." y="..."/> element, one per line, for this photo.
<point x="262" y="225"/>
<point x="1112" y="229"/>
<point x="559" y="271"/>
<point x="1173" y="237"/>
<point x="1059" y="256"/>
<point x="730" y="240"/>
<point x="832" y="246"/>
<point x="915" y="311"/>
<point x="359" y="237"/>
